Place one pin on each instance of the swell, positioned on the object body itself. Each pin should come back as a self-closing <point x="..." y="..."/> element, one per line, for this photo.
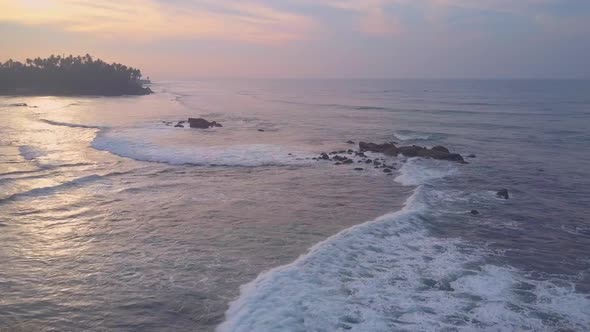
<point x="67" y="124"/>
<point x="50" y="190"/>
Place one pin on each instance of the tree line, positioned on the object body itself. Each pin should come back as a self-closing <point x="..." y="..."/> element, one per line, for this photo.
<point x="81" y="75"/>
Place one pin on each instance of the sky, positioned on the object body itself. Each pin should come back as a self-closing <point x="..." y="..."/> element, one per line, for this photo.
<point x="184" y="39"/>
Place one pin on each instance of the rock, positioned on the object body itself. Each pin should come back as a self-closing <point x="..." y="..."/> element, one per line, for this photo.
<point x="324" y="156"/>
<point x="18" y="105"/>
<point x="338" y="163"/>
<point x="348" y="161"/>
<point x="437" y="152"/>
<point x="360" y="154"/>
<point x="314" y="158"/>
<point x="178" y="125"/>
<point x="503" y="193"/>
<point x="441" y="149"/>
<point x="201" y="123"/>
<point x="368" y="161"/>
<point x="474" y="212"/>
<point x="387" y="170"/>
<point x="471" y="156"/>
<point x="339" y="158"/>
<point x="358" y="169"/>
<point x="377" y="162"/>
<point x="387" y="148"/>
<point x="290" y="154"/>
<point x="350" y="142"/>
<point x="262" y="130"/>
<point x="411" y="151"/>
<point x="359" y="161"/>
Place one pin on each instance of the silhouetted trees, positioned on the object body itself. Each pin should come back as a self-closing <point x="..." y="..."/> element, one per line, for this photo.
<point x="81" y="75"/>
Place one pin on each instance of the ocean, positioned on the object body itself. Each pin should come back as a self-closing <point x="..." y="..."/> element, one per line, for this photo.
<point x="111" y="219"/>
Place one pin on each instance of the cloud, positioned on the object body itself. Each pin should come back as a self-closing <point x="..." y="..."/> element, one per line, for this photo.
<point x="145" y="20"/>
<point x="373" y="19"/>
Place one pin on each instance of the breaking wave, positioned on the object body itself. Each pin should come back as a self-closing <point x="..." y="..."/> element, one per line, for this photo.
<point x="391" y="274"/>
<point x="144" y="148"/>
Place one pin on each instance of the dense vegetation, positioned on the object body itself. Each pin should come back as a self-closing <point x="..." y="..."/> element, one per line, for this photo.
<point x="81" y="75"/>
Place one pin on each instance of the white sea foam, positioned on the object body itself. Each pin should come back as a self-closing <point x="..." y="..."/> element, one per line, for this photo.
<point x="417" y="171"/>
<point x="407" y="135"/>
<point x="145" y="147"/>
<point x="390" y="274"/>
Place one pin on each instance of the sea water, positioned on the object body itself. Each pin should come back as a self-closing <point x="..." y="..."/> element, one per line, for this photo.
<point x="112" y="220"/>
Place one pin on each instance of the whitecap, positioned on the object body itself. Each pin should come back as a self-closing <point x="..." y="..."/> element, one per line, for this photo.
<point x="144" y="147"/>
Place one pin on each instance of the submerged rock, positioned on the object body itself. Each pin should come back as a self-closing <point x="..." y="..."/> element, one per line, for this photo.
<point x="178" y="125"/>
<point x="503" y="193"/>
<point x="474" y="212"/>
<point x="201" y="123"/>
<point x="324" y="156"/>
<point x="348" y="161"/>
<point x="387" y="170"/>
<point x="359" y="169"/>
<point x="350" y="142"/>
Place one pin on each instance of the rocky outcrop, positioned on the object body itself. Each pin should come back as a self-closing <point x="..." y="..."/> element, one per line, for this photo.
<point x="386" y="148"/>
<point x="201" y="123"/>
<point x="503" y="193"/>
<point x="441" y="149"/>
<point x="437" y="152"/>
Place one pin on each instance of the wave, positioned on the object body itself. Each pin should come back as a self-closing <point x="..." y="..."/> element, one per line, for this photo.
<point x="67" y="124"/>
<point x="352" y="107"/>
<point x="46" y="191"/>
<point x="409" y="135"/>
<point x="390" y="274"/>
<point x="140" y="147"/>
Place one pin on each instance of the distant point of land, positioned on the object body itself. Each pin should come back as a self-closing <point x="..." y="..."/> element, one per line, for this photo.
<point x="81" y="75"/>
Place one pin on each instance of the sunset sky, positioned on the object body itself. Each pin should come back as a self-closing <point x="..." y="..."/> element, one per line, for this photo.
<point x="180" y="39"/>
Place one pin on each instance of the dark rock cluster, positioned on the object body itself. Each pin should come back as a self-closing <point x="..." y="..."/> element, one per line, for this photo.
<point x="201" y="123"/>
<point x="390" y="149"/>
<point x="198" y="123"/>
